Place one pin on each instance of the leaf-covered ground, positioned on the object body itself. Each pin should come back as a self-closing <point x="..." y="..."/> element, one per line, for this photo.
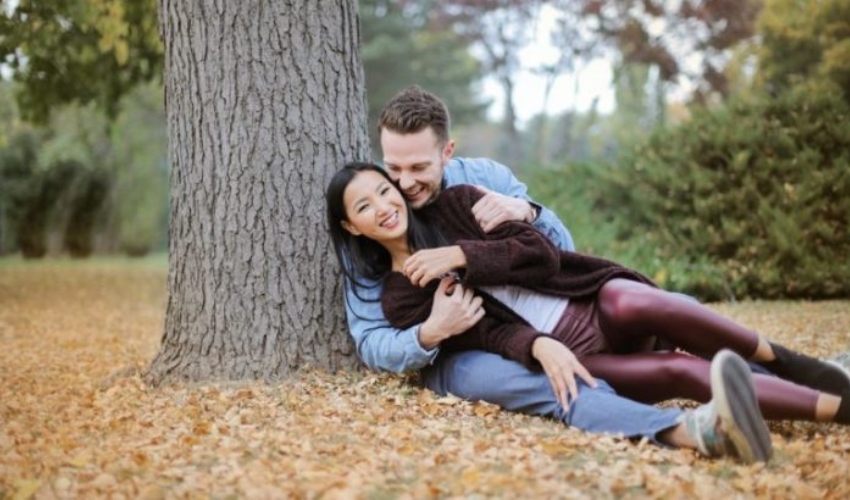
<point x="76" y="420"/>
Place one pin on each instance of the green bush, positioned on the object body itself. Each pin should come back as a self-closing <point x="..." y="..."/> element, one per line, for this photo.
<point x="31" y="194"/>
<point x="583" y="198"/>
<point x="754" y="198"/>
<point x="89" y="195"/>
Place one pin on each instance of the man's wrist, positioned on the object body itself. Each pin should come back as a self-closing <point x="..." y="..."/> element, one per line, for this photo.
<point x="425" y="341"/>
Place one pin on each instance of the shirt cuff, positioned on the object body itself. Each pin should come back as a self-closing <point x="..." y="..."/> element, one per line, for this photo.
<point x="431" y="354"/>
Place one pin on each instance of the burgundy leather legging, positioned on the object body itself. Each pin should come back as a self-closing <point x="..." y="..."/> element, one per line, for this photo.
<point x="629" y="313"/>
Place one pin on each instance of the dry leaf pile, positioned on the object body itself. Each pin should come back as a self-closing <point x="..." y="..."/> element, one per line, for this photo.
<point x="76" y="420"/>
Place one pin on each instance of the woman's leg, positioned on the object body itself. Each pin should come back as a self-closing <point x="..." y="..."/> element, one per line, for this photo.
<point x="658" y="376"/>
<point x="629" y="311"/>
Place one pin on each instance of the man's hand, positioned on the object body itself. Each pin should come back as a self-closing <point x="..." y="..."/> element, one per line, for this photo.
<point x="455" y="310"/>
<point x="426" y="265"/>
<point x="561" y="366"/>
<point x="495" y="208"/>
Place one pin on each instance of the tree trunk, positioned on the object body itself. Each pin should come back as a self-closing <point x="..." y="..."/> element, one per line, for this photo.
<point x="511" y="152"/>
<point x="264" y="100"/>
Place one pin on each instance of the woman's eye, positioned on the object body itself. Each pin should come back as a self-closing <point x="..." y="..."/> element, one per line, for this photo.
<point x="385" y="191"/>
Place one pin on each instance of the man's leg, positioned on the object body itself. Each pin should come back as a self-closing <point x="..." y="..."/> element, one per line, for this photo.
<point x="483" y="376"/>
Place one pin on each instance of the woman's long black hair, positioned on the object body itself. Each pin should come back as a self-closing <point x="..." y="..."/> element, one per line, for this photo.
<point x="360" y="257"/>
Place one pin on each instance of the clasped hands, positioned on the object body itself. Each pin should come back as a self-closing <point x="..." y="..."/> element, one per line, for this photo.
<point x="489" y="211"/>
<point x="457" y="309"/>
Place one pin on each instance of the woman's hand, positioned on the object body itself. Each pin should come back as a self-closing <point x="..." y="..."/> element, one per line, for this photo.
<point x="455" y="310"/>
<point x="561" y="366"/>
<point x="426" y="265"/>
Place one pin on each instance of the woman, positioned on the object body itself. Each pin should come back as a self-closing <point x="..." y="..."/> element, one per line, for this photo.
<point x="540" y="306"/>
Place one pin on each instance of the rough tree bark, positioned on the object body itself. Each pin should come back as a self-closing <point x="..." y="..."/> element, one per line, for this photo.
<point x="265" y="100"/>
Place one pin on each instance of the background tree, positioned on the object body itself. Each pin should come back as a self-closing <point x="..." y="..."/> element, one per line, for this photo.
<point x="65" y="51"/>
<point x="139" y="198"/>
<point x="576" y="44"/>
<point x="401" y="47"/>
<point x="807" y="45"/>
<point x="8" y="126"/>
<point x="265" y="100"/>
<point x="76" y="64"/>
<point x="498" y="30"/>
<point x="691" y="38"/>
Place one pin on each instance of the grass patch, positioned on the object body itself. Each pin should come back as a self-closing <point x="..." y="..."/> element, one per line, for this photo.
<point x="153" y="261"/>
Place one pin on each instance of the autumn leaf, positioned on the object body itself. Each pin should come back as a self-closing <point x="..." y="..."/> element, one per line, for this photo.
<point x="77" y="421"/>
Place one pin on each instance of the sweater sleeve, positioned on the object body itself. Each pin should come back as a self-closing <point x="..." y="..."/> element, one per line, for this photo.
<point x="509" y="340"/>
<point x="514" y="253"/>
<point x="405" y="305"/>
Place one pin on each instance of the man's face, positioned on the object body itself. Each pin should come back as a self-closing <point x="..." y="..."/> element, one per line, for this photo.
<point x="416" y="162"/>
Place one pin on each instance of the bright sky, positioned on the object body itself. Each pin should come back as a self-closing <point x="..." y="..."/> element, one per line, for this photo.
<point x="594" y="81"/>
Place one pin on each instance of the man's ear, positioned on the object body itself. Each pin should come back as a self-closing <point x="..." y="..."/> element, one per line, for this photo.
<point x="351" y="229"/>
<point x="448" y="151"/>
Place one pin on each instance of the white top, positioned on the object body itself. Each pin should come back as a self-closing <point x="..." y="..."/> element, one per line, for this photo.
<point x="541" y="311"/>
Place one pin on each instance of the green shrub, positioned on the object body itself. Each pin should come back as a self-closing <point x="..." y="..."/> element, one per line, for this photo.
<point x="754" y="198"/>
<point x="582" y="197"/>
<point x="31" y="194"/>
<point x="90" y="193"/>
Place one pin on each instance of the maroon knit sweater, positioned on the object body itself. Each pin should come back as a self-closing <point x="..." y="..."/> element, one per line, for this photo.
<point x="515" y="253"/>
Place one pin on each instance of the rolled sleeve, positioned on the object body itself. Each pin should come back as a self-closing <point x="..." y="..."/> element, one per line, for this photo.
<point x="379" y="345"/>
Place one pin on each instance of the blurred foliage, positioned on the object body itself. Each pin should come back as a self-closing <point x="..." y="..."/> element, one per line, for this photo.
<point x="498" y="30"/>
<point x="747" y="194"/>
<point x="82" y="182"/>
<point x="90" y="191"/>
<point x="79" y="51"/>
<point x="21" y="190"/>
<point x="805" y="45"/>
<point x="687" y="38"/>
<point x="400" y="48"/>
<point x="755" y="196"/>
<point x="574" y="190"/>
<point x="141" y="162"/>
<point x="583" y="136"/>
<point x="746" y="199"/>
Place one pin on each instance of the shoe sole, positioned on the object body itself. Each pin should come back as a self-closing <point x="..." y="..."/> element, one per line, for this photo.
<point x="737" y="405"/>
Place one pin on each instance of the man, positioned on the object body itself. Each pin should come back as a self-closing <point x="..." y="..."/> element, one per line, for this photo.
<point x="418" y="154"/>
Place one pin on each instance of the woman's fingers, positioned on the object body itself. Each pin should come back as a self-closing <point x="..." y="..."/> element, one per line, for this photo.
<point x="469" y="307"/>
<point x="445" y="286"/>
<point x="560" y="387"/>
<point x="585" y="375"/>
<point x="561" y="367"/>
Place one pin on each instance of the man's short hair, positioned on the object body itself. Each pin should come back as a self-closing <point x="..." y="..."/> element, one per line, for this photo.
<point x="413" y="110"/>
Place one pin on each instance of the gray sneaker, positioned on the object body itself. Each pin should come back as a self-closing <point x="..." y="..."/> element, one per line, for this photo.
<point x="730" y="424"/>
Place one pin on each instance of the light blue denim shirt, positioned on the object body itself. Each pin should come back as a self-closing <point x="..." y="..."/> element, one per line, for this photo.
<point x="383" y="347"/>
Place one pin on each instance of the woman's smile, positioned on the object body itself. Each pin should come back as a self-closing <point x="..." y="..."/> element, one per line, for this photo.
<point x="375" y="208"/>
<point x="391" y="222"/>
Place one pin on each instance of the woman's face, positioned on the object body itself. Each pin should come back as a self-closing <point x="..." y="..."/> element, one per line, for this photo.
<point x="374" y="207"/>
